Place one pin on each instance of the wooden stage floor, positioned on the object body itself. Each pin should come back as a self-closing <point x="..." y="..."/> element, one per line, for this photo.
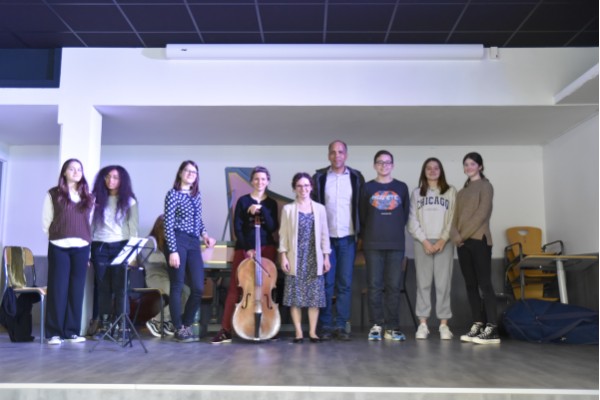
<point x="426" y="369"/>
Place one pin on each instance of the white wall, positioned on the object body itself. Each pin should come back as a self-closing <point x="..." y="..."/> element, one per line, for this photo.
<point x="93" y="77"/>
<point x="4" y="149"/>
<point x="519" y="76"/>
<point x="33" y="170"/>
<point x="526" y="76"/>
<point x="571" y="188"/>
<point x="3" y="176"/>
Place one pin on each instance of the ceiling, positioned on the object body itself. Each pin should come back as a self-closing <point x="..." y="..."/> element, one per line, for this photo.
<point x="155" y="23"/>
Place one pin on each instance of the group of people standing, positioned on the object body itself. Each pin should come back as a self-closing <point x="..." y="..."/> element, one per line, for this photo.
<point x="79" y="222"/>
<point x="316" y="237"/>
<point x="438" y="218"/>
<point x="335" y="209"/>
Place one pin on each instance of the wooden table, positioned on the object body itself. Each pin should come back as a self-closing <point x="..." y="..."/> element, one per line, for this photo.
<point x="556" y="263"/>
<point x="217" y="264"/>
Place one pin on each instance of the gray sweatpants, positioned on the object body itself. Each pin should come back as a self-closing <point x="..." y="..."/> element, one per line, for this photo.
<point x="434" y="269"/>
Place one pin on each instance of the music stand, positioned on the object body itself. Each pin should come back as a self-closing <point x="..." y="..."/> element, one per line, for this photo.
<point x="134" y="253"/>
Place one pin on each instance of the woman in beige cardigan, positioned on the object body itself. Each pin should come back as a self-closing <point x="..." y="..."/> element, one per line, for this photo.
<point x="304" y="253"/>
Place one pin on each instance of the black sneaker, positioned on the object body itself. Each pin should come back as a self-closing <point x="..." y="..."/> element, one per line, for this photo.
<point x="169" y="328"/>
<point x="341" y="334"/>
<point x="101" y="332"/>
<point x="325" y="335"/>
<point x="476" y="329"/>
<point x="184" y="335"/>
<point x="489" y="335"/>
<point x="154" y="327"/>
<point x="222" y="337"/>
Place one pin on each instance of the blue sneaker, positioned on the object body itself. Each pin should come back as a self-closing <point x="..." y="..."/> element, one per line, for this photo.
<point x="375" y="333"/>
<point x="184" y="335"/>
<point x="394" y="334"/>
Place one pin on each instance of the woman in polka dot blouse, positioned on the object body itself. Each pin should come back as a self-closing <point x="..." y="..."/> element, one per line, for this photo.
<point x="184" y="228"/>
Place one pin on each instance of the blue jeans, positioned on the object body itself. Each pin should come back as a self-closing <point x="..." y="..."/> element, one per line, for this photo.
<point x="192" y="266"/>
<point x="338" y="280"/>
<point x="384" y="278"/>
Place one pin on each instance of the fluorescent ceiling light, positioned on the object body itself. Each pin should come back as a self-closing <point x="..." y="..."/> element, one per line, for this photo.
<point x="324" y="52"/>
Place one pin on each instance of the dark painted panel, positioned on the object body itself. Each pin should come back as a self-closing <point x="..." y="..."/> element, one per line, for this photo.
<point x="30" y="68"/>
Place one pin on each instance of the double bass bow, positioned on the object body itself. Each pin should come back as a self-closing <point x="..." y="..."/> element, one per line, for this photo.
<point x="256" y="316"/>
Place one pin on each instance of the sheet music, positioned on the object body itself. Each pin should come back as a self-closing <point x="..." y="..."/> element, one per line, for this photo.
<point x="131" y="250"/>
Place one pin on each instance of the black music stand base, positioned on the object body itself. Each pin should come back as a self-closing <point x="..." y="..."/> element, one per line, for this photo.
<point x="126" y="324"/>
<point x="122" y="338"/>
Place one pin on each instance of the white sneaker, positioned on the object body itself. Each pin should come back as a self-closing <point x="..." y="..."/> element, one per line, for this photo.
<point x="75" y="339"/>
<point x="55" y="340"/>
<point x="375" y="333"/>
<point x="422" y="331"/>
<point x="445" y="333"/>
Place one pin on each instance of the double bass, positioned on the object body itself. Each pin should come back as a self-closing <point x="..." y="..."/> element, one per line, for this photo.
<point x="256" y="316"/>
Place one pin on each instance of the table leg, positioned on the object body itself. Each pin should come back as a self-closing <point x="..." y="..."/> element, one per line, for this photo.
<point x="214" y="305"/>
<point x="562" y="282"/>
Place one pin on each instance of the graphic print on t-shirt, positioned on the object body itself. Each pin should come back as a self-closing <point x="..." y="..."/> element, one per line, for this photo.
<point x="433" y="201"/>
<point x="385" y="200"/>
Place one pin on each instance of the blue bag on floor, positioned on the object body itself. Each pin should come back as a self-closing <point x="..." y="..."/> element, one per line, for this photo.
<point x="549" y="322"/>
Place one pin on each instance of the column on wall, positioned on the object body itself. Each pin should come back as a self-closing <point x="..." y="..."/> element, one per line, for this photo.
<point x="81" y="138"/>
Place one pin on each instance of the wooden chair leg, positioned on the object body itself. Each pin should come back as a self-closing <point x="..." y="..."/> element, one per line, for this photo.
<point x="162" y="316"/>
<point x="42" y="319"/>
<point x="363" y="305"/>
<point x="410" y="307"/>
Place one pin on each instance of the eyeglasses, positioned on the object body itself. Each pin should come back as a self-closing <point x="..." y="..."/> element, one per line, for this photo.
<point x="384" y="163"/>
<point x="303" y="186"/>
<point x="190" y="171"/>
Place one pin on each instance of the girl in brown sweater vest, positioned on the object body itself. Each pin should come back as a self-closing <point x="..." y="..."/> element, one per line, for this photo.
<point x="66" y="221"/>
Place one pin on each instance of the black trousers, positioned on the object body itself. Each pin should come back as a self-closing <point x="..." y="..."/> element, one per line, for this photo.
<point x="109" y="278"/>
<point x="475" y="258"/>
<point x="67" y="268"/>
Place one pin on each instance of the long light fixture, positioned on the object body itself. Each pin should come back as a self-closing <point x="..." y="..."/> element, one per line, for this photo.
<point x="324" y="52"/>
